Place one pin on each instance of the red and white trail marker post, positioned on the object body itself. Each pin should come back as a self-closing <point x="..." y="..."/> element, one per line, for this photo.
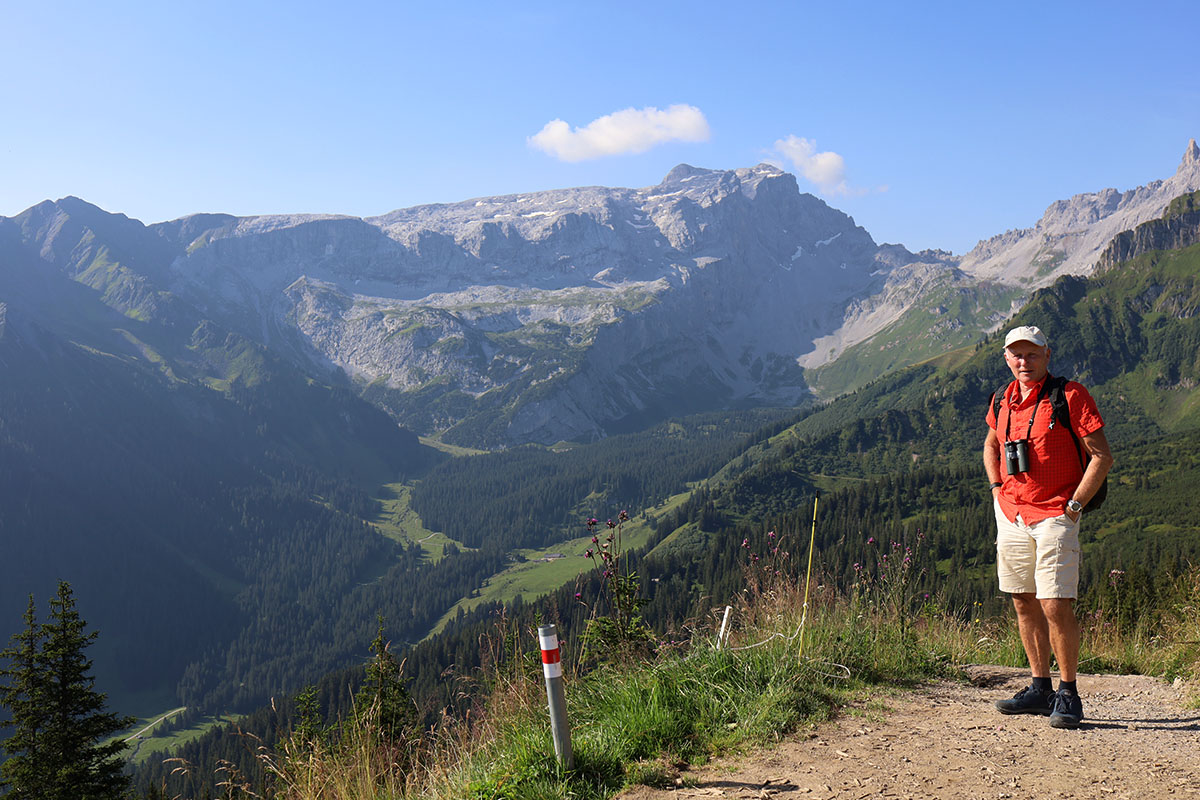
<point x="552" y="669"/>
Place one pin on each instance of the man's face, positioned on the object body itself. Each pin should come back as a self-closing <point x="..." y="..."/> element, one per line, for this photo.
<point x="1029" y="362"/>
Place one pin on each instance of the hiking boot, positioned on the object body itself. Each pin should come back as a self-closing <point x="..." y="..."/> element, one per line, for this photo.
<point x="1027" y="701"/>
<point x="1068" y="710"/>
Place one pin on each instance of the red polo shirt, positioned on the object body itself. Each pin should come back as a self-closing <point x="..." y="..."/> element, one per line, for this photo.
<point x="1054" y="468"/>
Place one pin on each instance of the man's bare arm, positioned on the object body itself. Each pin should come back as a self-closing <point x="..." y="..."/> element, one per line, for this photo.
<point x="991" y="458"/>
<point x="1096" y="445"/>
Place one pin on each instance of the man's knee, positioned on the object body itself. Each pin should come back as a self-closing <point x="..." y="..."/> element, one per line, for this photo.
<point x="1058" y="610"/>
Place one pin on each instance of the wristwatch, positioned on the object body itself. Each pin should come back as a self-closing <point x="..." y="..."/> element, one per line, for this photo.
<point x="1074" y="505"/>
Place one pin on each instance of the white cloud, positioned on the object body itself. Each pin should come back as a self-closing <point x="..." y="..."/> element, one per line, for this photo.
<point x="827" y="170"/>
<point x="622" y="132"/>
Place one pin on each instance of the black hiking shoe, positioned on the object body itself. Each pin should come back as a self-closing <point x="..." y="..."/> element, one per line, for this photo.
<point x="1068" y="710"/>
<point x="1027" y="701"/>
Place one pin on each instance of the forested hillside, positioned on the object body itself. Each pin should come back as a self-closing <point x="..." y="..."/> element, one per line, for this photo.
<point x="897" y="468"/>
<point x="188" y="484"/>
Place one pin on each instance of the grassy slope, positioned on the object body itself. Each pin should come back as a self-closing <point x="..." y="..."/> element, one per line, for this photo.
<point x="399" y="522"/>
<point x="534" y="576"/>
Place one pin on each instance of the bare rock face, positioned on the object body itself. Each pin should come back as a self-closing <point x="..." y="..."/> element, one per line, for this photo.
<point x="1179" y="227"/>
<point x="1071" y="235"/>
<point x="551" y="315"/>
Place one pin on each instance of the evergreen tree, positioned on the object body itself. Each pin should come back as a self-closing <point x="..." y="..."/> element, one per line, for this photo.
<point x="22" y="693"/>
<point x="384" y="693"/>
<point x="59" y="718"/>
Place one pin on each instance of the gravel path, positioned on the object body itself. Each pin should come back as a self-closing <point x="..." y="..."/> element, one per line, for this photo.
<point x="947" y="741"/>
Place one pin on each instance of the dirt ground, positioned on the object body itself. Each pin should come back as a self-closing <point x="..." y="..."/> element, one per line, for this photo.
<point x="946" y="740"/>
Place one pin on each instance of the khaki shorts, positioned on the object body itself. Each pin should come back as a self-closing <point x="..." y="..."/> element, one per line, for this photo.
<point x="1041" y="559"/>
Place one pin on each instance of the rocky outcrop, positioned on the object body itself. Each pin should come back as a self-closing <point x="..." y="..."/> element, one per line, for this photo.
<point x="1178" y="228"/>
<point x="551" y="315"/>
<point x="1073" y="233"/>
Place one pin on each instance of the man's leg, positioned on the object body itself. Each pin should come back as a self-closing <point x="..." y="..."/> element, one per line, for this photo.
<point x="1035" y="633"/>
<point x="1035" y="636"/>
<point x="1059" y="614"/>
<point x="1016" y="562"/>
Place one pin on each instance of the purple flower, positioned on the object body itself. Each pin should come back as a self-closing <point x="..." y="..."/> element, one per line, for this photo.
<point x="595" y="540"/>
<point x="624" y="515"/>
<point x="588" y="554"/>
<point x="870" y="540"/>
<point x="746" y="543"/>
<point x="771" y="534"/>
<point x="578" y="595"/>
<point x="612" y="524"/>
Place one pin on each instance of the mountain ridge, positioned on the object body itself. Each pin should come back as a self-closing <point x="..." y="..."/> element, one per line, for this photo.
<point x="572" y="313"/>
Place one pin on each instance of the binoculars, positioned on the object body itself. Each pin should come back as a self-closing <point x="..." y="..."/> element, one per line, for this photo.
<point x="1016" y="456"/>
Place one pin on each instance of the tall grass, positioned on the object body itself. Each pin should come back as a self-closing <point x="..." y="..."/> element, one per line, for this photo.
<point x="638" y="722"/>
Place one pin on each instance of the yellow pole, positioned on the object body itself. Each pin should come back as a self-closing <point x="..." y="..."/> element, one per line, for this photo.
<point x="808" y="578"/>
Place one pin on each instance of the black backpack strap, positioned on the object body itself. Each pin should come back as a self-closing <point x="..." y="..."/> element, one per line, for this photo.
<point x="997" y="400"/>
<point x="1057" y="391"/>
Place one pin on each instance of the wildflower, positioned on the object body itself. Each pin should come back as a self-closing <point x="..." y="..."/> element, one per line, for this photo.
<point x="870" y="540"/>
<point x="746" y="543"/>
<point x="623" y="516"/>
<point x="612" y="524"/>
<point x="857" y="567"/>
<point x="592" y="522"/>
<point x="595" y="540"/>
<point x="578" y="595"/>
<point x="1115" y="576"/>
<point x="770" y="534"/>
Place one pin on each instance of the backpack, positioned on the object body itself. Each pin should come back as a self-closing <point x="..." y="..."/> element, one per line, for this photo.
<point x="1055" y="387"/>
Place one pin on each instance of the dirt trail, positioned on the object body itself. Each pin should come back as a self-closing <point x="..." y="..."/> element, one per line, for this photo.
<point x="947" y="741"/>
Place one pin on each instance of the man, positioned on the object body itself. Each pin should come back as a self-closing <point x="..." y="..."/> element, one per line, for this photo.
<point x="1039" y="495"/>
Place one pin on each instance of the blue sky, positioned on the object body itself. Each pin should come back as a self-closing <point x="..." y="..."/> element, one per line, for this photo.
<point x="932" y="124"/>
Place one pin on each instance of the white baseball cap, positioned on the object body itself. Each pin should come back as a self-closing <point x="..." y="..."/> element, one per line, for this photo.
<point x="1026" y="333"/>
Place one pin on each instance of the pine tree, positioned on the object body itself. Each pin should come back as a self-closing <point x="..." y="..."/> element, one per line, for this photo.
<point x="22" y="693"/>
<point x="59" y="718"/>
<point x="384" y="693"/>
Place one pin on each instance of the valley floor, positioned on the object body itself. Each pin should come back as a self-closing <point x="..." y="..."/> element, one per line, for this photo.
<point x="946" y="741"/>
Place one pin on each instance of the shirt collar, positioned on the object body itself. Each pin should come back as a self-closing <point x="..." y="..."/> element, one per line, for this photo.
<point x="1014" y="392"/>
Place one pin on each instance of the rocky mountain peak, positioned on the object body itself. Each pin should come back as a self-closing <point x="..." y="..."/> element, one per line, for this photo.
<point x="1191" y="157"/>
<point x="1073" y="233"/>
<point x="684" y="171"/>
